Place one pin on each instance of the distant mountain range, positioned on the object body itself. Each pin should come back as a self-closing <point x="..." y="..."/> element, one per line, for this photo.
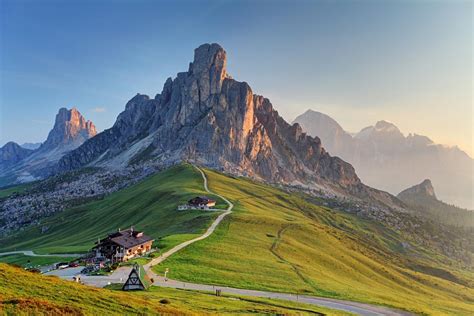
<point x="386" y="159"/>
<point x="19" y="164"/>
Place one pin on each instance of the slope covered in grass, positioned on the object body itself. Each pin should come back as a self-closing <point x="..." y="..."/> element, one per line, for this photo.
<point x="280" y="242"/>
<point x="31" y="261"/>
<point x="150" y="205"/>
<point x="26" y="293"/>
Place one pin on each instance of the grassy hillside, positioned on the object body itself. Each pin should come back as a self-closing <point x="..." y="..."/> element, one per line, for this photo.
<point x="439" y="211"/>
<point x="149" y="206"/>
<point x="7" y="191"/>
<point x="280" y="242"/>
<point x="26" y="293"/>
<point x="273" y="241"/>
<point x="32" y="262"/>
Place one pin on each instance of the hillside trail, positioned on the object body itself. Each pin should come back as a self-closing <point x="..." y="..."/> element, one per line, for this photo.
<point x="348" y="306"/>
<point x="209" y="231"/>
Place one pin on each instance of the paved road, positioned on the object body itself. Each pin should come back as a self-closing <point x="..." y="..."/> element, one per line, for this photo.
<point x="348" y="306"/>
<point x="32" y="254"/>
<point x="209" y="231"/>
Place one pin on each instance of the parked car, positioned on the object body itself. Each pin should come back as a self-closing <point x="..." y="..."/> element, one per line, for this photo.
<point x="74" y="264"/>
<point x="63" y="266"/>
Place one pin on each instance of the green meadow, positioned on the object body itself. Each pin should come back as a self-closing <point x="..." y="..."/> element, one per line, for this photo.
<point x="273" y="241"/>
<point x="31" y="261"/>
<point x="150" y="205"/>
<point x="280" y="242"/>
<point x="26" y="293"/>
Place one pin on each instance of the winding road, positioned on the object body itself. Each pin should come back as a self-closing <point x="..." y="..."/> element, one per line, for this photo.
<point x="121" y="274"/>
<point x="348" y="306"/>
<point x="208" y="232"/>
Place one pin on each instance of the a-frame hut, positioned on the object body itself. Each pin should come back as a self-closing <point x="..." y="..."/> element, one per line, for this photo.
<point x="137" y="280"/>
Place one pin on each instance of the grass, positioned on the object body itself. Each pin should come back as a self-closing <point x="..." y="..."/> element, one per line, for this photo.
<point x="150" y="206"/>
<point x="20" y="188"/>
<point x="273" y="241"/>
<point x="30" y="261"/>
<point x="26" y="293"/>
<point x="280" y="242"/>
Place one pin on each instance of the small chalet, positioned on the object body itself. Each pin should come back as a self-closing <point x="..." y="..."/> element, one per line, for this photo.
<point x="137" y="279"/>
<point x="202" y="202"/>
<point x="123" y="245"/>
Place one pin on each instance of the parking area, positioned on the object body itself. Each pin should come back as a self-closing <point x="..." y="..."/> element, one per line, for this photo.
<point x="118" y="276"/>
<point x="67" y="273"/>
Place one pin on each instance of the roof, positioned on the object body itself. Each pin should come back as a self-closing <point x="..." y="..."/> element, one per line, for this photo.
<point x="143" y="278"/>
<point x="201" y="200"/>
<point x="127" y="238"/>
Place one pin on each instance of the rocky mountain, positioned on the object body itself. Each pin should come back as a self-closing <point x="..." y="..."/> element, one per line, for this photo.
<point x="387" y="159"/>
<point x="70" y="131"/>
<point x="334" y="138"/>
<point x="422" y="198"/>
<point x="11" y="153"/>
<point x="423" y="190"/>
<point x="205" y="116"/>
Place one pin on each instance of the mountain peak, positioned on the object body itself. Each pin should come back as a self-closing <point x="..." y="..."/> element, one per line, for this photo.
<point x="424" y="189"/>
<point x="385" y="126"/>
<point x="11" y="153"/>
<point x="209" y="65"/>
<point x="70" y="128"/>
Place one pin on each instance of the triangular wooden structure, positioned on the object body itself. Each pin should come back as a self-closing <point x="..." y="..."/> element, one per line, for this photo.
<point x="137" y="280"/>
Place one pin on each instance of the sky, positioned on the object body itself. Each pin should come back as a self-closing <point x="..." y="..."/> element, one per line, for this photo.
<point x="407" y="62"/>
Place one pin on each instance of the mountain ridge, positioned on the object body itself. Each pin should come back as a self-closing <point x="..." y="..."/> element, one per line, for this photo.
<point x="204" y="115"/>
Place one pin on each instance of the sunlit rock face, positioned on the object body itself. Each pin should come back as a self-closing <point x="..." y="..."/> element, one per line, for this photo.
<point x="70" y="129"/>
<point x="424" y="189"/>
<point x="204" y="115"/>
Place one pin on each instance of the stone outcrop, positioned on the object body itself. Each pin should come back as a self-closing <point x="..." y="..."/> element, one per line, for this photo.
<point x="424" y="189"/>
<point x="70" y="130"/>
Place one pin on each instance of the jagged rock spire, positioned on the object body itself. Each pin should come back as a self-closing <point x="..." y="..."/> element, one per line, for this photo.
<point x="70" y="128"/>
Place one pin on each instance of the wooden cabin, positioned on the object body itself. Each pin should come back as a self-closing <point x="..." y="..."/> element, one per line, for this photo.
<point x="202" y="202"/>
<point x="123" y="245"/>
<point x="137" y="280"/>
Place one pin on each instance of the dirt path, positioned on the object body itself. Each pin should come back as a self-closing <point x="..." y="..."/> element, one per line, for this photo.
<point x="209" y="231"/>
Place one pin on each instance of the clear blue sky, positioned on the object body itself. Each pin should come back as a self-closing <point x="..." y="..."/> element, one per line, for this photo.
<point x="409" y="62"/>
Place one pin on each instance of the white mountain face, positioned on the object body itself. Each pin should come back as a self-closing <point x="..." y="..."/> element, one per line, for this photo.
<point x="387" y="159"/>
